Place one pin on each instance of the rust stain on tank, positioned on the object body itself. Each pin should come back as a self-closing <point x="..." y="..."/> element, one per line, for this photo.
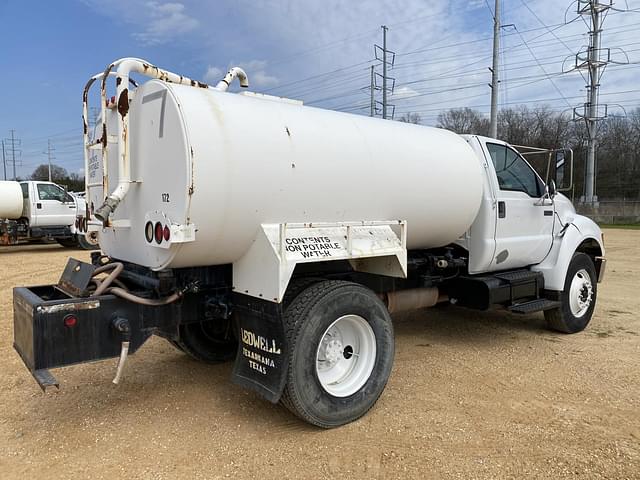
<point x="202" y="84"/>
<point x="103" y="140"/>
<point x="123" y="103"/>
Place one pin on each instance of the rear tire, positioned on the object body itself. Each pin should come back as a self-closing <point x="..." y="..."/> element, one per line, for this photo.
<point x="85" y="245"/>
<point x="341" y="350"/>
<point x="212" y="341"/>
<point x="578" y="298"/>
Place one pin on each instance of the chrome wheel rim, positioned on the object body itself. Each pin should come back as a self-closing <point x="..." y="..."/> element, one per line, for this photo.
<point x="580" y="293"/>
<point x="346" y="355"/>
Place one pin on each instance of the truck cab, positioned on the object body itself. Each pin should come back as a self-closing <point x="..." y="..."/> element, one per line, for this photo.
<point x="48" y="204"/>
<point x="522" y="220"/>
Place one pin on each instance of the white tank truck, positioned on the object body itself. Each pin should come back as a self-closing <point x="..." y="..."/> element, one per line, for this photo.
<point x="33" y="210"/>
<point x="249" y="227"/>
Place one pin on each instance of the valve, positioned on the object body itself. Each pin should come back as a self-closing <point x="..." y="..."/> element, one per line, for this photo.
<point x="122" y="325"/>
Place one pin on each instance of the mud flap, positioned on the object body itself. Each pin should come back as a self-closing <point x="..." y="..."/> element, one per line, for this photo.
<point x="262" y="359"/>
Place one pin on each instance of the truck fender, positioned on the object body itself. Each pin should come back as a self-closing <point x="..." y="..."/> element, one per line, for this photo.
<point x="581" y="235"/>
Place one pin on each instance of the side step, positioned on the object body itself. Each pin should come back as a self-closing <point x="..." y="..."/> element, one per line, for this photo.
<point x="517" y="277"/>
<point x="533" y="306"/>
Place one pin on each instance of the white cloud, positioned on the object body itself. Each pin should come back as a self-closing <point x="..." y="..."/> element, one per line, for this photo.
<point x="166" y="22"/>
<point x="154" y="22"/>
<point x="212" y="75"/>
<point x="256" y="70"/>
<point x="403" y="92"/>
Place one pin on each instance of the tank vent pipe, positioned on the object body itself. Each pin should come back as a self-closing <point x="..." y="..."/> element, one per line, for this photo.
<point x="232" y="74"/>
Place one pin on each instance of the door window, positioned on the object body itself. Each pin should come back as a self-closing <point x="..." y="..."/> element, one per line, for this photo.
<point x="47" y="191"/>
<point x="513" y="172"/>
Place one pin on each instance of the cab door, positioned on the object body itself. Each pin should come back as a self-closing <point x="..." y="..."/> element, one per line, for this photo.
<point x="53" y="206"/>
<point x="524" y="223"/>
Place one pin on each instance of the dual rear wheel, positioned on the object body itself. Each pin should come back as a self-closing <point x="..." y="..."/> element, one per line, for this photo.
<point x="341" y="350"/>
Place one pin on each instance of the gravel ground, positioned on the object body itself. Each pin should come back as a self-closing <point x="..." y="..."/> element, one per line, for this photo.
<point x="472" y="395"/>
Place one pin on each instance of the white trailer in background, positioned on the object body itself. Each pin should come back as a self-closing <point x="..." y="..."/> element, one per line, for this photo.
<point x="252" y="227"/>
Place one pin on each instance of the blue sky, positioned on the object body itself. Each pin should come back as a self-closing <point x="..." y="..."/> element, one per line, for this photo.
<point x="316" y="51"/>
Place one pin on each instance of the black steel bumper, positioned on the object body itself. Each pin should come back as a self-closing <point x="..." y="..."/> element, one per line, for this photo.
<point x="44" y="340"/>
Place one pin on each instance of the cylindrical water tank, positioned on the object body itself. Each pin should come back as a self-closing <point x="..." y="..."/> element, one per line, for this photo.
<point x="10" y="200"/>
<point x="229" y="162"/>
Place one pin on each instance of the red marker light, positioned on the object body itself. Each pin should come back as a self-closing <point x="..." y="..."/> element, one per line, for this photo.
<point x="159" y="232"/>
<point x="167" y="233"/>
<point x="70" y="321"/>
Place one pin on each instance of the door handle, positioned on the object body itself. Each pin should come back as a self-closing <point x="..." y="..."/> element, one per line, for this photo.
<point x="502" y="210"/>
<point x="38" y="205"/>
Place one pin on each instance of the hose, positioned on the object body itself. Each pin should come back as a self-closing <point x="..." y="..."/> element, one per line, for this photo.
<point x="152" y="302"/>
<point x="117" y="268"/>
<point x="104" y="286"/>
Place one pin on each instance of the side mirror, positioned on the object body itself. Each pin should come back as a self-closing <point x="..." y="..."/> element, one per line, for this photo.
<point x="563" y="170"/>
<point x="552" y="191"/>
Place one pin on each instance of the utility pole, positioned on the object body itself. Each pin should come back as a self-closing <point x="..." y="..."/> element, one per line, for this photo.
<point x="493" y="128"/>
<point x="372" y="86"/>
<point x="4" y="161"/>
<point x="593" y="62"/>
<point x="49" y="157"/>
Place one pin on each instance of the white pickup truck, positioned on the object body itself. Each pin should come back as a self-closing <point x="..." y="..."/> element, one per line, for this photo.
<point x="48" y="212"/>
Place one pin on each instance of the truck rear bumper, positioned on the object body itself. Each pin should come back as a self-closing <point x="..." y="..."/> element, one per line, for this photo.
<point x="52" y="329"/>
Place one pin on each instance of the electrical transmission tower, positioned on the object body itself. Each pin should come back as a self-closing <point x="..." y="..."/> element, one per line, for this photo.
<point x="13" y="143"/>
<point x="594" y="60"/>
<point x="387" y="58"/>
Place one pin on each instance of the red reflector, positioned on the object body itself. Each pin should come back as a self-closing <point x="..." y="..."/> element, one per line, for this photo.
<point x="167" y="233"/>
<point x="70" y="320"/>
<point x="159" y="232"/>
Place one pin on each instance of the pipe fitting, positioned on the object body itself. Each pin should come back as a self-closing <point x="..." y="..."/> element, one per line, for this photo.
<point x="232" y="74"/>
<point x="106" y="209"/>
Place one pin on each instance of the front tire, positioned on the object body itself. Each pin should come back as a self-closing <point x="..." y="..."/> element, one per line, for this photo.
<point x="70" y="242"/>
<point x="341" y="348"/>
<point x="578" y="299"/>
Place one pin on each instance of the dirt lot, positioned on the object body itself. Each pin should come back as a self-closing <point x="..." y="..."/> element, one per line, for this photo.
<point x="472" y="395"/>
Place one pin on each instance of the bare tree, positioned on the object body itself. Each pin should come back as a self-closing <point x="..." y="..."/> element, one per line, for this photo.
<point x="463" y="121"/>
<point x="411" y="118"/>
<point x="42" y="173"/>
